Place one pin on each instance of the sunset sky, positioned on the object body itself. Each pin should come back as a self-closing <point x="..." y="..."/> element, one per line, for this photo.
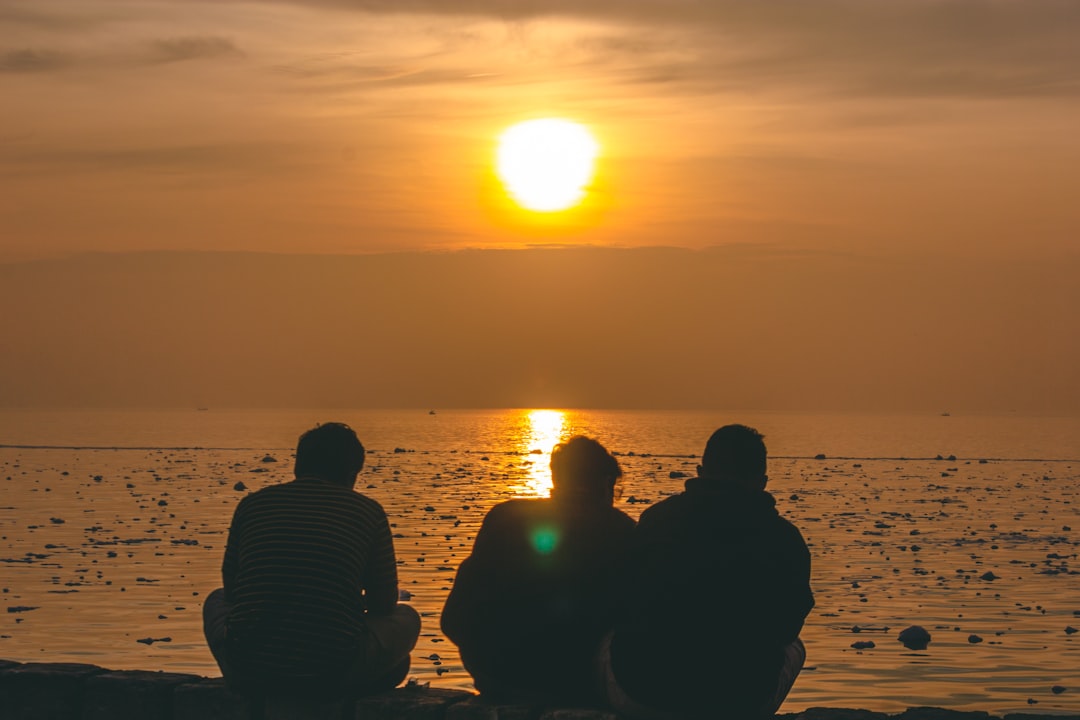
<point x="930" y="147"/>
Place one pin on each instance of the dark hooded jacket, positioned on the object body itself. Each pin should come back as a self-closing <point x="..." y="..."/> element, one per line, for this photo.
<point x="721" y="585"/>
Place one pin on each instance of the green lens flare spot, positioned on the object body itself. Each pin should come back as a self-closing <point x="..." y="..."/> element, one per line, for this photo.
<point x="544" y="540"/>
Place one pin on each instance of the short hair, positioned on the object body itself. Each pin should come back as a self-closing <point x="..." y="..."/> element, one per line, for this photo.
<point x="582" y="468"/>
<point x="735" y="451"/>
<point x="330" y="451"/>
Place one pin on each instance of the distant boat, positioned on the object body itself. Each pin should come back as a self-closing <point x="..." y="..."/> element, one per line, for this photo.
<point x="430" y="412"/>
<point x="201" y="409"/>
<point x="946" y="414"/>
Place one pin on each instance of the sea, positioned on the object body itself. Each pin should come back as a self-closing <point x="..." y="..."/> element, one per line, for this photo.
<point x="113" y="524"/>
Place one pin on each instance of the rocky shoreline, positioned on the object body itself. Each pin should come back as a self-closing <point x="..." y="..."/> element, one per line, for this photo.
<point x="73" y="691"/>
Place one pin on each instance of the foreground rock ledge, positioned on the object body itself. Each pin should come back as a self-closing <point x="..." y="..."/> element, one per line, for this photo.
<point x="73" y="691"/>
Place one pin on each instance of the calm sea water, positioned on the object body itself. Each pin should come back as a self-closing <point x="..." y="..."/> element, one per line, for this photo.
<point x="112" y="526"/>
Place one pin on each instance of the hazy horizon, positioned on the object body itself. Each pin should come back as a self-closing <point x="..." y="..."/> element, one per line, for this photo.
<point x="645" y="328"/>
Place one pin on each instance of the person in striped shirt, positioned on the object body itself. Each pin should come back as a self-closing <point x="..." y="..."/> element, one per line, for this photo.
<point x="310" y="598"/>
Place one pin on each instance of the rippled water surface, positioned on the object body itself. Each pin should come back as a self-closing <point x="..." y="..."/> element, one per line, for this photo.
<point x="112" y="527"/>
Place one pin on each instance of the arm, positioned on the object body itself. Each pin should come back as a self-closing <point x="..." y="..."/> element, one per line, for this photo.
<point x="794" y="590"/>
<point x="381" y="582"/>
<point x="470" y="608"/>
<point x="230" y="565"/>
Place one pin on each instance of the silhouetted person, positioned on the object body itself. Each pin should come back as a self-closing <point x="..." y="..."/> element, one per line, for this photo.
<point x="310" y="598"/>
<point x="717" y="597"/>
<point x="533" y="601"/>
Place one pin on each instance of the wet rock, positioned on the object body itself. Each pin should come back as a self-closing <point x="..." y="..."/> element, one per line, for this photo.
<point x="477" y="708"/>
<point x="915" y="637"/>
<point x="577" y="714"/>
<point x="929" y="713"/>
<point x="828" y="713"/>
<point x="44" y="690"/>
<point x="132" y="694"/>
<point x="208" y="699"/>
<point x="409" y="702"/>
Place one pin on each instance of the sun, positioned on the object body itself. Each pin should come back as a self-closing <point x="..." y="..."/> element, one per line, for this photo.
<point x="546" y="164"/>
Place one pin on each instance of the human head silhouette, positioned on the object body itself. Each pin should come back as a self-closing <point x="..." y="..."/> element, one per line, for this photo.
<point x="582" y="470"/>
<point x="735" y="453"/>
<point x="330" y="451"/>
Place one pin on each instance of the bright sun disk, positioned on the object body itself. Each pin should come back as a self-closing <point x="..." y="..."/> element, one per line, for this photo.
<point x="546" y="164"/>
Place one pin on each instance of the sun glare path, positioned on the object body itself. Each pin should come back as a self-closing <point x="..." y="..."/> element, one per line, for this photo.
<point x="546" y="164"/>
<point x="545" y="430"/>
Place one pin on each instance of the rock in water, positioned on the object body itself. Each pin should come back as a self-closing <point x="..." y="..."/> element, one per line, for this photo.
<point x="914" y="638"/>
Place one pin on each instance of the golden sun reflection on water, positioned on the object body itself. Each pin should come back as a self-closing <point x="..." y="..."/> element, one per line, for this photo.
<point x="543" y="430"/>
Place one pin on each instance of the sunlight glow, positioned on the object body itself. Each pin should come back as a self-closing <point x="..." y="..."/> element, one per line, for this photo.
<point x="546" y="164"/>
<point x="546" y="429"/>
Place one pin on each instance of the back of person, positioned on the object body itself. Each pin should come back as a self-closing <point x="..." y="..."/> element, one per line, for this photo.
<point x="309" y="598"/>
<point x="718" y="592"/>
<point x="305" y="553"/>
<point x="535" y="598"/>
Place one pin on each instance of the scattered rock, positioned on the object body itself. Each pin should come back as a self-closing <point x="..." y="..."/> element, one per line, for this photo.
<point x="1057" y="689"/>
<point x="915" y="637"/>
<point x="239" y="486"/>
<point x="820" y="456"/>
<point x="989" y="576"/>
<point x="151" y="641"/>
<point x="863" y="645"/>
<point x="269" y="459"/>
<point x="1070" y="630"/>
<point x="676" y="474"/>
<point x="974" y="639"/>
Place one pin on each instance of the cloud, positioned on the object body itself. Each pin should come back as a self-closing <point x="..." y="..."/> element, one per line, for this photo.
<point x="931" y="48"/>
<point x="30" y="61"/>
<point x="170" y="159"/>
<point x="181" y="49"/>
<point x="67" y="18"/>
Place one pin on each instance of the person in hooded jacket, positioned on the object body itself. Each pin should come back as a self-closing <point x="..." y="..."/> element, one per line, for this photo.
<point x="716" y="598"/>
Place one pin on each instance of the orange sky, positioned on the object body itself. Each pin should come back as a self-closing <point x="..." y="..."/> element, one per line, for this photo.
<point x="945" y="125"/>
<point x="904" y="136"/>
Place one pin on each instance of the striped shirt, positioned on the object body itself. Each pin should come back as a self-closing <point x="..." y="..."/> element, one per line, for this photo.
<point x="305" y="561"/>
